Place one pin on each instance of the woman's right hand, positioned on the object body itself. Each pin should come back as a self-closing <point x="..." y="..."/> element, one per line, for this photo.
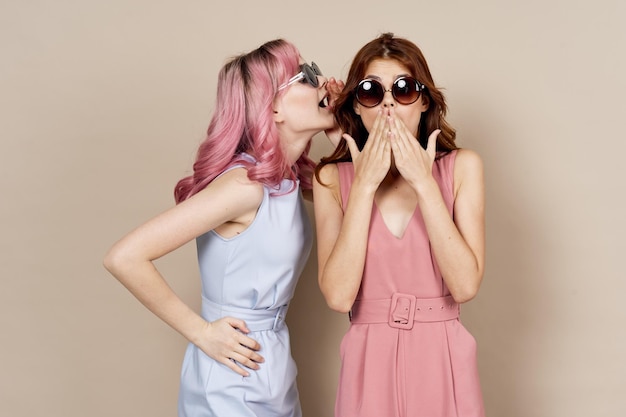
<point x="372" y="164"/>
<point x="225" y="341"/>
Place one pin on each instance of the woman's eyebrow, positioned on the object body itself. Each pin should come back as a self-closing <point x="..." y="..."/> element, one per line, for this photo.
<point x="376" y="77"/>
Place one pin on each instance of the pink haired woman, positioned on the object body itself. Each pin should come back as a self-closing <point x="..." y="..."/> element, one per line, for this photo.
<point x="243" y="206"/>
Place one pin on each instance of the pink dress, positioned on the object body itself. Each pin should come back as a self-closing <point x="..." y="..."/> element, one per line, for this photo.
<point x="406" y="354"/>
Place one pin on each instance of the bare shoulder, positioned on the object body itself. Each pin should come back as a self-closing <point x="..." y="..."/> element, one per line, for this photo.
<point x="468" y="169"/>
<point x="235" y="186"/>
<point x="467" y="159"/>
<point x="328" y="175"/>
<point x="238" y="175"/>
<point x="326" y="189"/>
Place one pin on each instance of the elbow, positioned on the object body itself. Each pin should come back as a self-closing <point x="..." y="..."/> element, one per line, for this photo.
<point x="463" y="297"/>
<point x="109" y="262"/>
<point x="339" y="307"/>
<point x="467" y="292"/>
<point x="113" y="261"/>
<point x="338" y="290"/>
<point x="337" y="303"/>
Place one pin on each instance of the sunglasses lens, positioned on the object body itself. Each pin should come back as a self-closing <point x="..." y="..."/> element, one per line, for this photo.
<point x="316" y="69"/>
<point x="406" y="90"/>
<point x="310" y="74"/>
<point x="369" y="93"/>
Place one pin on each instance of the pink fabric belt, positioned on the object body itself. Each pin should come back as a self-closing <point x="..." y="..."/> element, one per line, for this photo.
<point x="402" y="310"/>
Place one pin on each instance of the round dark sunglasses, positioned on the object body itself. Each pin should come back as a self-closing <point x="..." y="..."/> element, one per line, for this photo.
<point x="405" y="90"/>
<point x="308" y="74"/>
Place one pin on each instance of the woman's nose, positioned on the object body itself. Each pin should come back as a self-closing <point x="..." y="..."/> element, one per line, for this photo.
<point x="388" y="99"/>
<point x="321" y="81"/>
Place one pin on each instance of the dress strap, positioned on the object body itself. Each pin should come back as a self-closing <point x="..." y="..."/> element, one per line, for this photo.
<point x="346" y="176"/>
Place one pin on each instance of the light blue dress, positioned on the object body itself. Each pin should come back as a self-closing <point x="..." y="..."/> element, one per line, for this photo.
<point x="251" y="276"/>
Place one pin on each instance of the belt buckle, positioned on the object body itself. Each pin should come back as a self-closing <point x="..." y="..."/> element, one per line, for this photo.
<point x="402" y="311"/>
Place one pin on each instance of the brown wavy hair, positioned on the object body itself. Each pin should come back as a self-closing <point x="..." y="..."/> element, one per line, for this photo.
<point x="387" y="46"/>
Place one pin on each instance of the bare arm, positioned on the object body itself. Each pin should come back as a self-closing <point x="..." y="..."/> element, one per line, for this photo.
<point x="339" y="238"/>
<point x="232" y="198"/>
<point x="342" y="234"/>
<point x="459" y="244"/>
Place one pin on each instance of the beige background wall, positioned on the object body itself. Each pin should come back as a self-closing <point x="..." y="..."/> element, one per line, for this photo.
<point x="102" y="105"/>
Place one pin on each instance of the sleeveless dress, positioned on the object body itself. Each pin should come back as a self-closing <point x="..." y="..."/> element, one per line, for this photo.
<point x="406" y="354"/>
<point x="251" y="276"/>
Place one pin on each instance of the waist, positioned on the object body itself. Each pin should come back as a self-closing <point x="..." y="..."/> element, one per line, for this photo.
<point x="402" y="310"/>
<point x="256" y="319"/>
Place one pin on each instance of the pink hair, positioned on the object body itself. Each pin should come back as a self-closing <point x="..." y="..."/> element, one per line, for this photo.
<point x="243" y="122"/>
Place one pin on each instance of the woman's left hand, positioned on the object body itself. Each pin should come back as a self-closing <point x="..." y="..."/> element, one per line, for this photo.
<point x="414" y="163"/>
<point x="334" y="88"/>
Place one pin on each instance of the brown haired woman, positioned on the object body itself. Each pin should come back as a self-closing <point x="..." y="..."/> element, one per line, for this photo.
<point x="400" y="231"/>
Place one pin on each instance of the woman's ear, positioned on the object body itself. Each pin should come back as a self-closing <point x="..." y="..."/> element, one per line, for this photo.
<point x="425" y="102"/>
<point x="277" y="108"/>
<point x="356" y="107"/>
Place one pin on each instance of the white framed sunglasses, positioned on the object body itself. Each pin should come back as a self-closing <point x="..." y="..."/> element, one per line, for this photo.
<point x="308" y="74"/>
